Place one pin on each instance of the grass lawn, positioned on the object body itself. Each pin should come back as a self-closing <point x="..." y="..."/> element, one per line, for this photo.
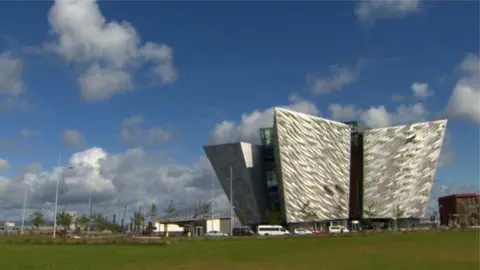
<point x="432" y="250"/>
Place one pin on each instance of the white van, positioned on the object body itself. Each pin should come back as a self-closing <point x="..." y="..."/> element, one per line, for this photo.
<point x="271" y="230"/>
<point x="337" y="229"/>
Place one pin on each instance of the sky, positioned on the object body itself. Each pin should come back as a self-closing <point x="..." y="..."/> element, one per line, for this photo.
<point x="117" y="98"/>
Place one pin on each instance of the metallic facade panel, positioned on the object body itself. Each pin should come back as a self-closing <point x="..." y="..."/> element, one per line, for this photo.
<point x="313" y="165"/>
<point x="399" y="169"/>
<point x="249" y="187"/>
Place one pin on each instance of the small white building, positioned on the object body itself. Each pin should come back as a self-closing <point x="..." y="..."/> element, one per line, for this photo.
<point x="171" y="228"/>
<point x="198" y="226"/>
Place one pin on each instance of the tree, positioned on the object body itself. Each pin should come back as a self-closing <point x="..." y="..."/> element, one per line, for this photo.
<point x="132" y="224"/>
<point x="64" y="219"/>
<point x="170" y="211"/>
<point x="138" y="218"/>
<point x="37" y="218"/>
<point x="274" y="216"/>
<point x="152" y="211"/>
<point x="83" y="221"/>
<point x="202" y="208"/>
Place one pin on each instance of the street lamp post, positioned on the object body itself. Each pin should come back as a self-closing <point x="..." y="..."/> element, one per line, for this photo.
<point x="213" y="199"/>
<point x="56" y="201"/>
<point x="231" y="201"/>
<point x="89" y="207"/>
<point x="24" y="208"/>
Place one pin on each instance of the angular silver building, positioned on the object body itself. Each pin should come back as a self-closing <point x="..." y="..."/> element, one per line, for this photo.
<point x="313" y="166"/>
<point x="313" y="169"/>
<point x="243" y="162"/>
<point x="399" y="169"/>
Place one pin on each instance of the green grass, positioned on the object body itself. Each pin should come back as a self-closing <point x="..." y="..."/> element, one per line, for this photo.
<point x="447" y="250"/>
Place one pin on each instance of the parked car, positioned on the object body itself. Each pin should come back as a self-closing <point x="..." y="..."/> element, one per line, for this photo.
<point x="215" y="234"/>
<point x="338" y="229"/>
<point x="242" y="231"/>
<point x="273" y="230"/>
<point x="302" y="231"/>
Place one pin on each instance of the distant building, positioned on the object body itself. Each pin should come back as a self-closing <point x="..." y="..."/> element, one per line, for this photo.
<point x="459" y="209"/>
<point x="196" y="226"/>
<point x="311" y="168"/>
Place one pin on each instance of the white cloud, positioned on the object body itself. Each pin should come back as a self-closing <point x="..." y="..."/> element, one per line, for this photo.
<point x="248" y="128"/>
<point x="11" y="75"/>
<point x="421" y="90"/>
<point x="379" y="116"/>
<point x="343" y="112"/>
<point x="376" y="117"/>
<point x="99" y="83"/>
<point x="447" y="153"/>
<point x="133" y="177"/>
<point x="369" y="11"/>
<point x="111" y="49"/>
<point x="131" y="131"/>
<point x="73" y="138"/>
<point x="340" y="77"/>
<point x="11" y="83"/>
<point x="404" y="114"/>
<point x="465" y="99"/>
<point x="4" y="165"/>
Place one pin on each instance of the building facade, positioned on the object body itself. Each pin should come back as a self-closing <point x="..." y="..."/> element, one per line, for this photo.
<point x="399" y="169"/>
<point x="459" y="210"/>
<point x="314" y="169"/>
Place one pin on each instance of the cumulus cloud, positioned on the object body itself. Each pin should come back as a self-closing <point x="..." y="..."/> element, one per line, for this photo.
<point x="421" y="90"/>
<point x="11" y="83"/>
<point x="17" y="144"/>
<point x="4" y="165"/>
<point x="99" y="83"/>
<point x="465" y="99"/>
<point x="369" y="11"/>
<point x="447" y="154"/>
<point x="131" y="131"/>
<point x="343" y="112"/>
<point x="11" y="74"/>
<point x="248" y="129"/>
<point x="379" y="116"/>
<point x="73" y="138"/>
<point x="337" y="80"/>
<point x="132" y="178"/>
<point x="111" y="50"/>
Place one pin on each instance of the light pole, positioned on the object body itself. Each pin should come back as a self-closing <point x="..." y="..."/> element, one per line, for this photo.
<point x="213" y="198"/>
<point x="56" y="201"/>
<point x="89" y="207"/>
<point x="24" y="208"/>
<point x="231" y="201"/>
<point x="395" y="214"/>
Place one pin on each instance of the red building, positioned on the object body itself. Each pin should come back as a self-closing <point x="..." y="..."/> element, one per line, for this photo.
<point x="456" y="209"/>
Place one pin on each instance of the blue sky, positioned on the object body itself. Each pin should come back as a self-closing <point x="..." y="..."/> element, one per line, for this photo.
<point x="230" y="59"/>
